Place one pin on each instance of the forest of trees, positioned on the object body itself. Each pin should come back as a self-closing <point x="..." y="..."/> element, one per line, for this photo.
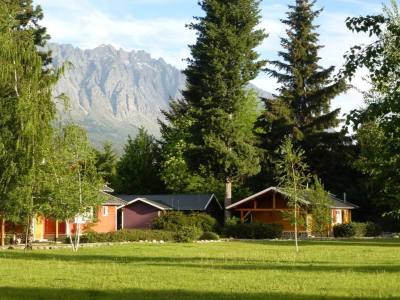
<point x="215" y="138"/>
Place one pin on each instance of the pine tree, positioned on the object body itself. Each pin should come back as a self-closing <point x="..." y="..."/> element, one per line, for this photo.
<point x="302" y="106"/>
<point x="138" y="168"/>
<point x="28" y="18"/>
<point x="106" y="163"/>
<point x="222" y="64"/>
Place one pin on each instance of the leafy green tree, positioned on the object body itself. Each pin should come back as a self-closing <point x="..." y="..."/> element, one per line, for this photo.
<point x="302" y="106"/>
<point x="320" y="207"/>
<point x="106" y="163"/>
<point x="222" y="64"/>
<point x="378" y="124"/>
<point x="138" y="168"/>
<point x="27" y="112"/>
<point x="71" y="178"/>
<point x="292" y="177"/>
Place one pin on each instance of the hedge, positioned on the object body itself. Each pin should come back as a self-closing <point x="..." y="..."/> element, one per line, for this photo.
<point x="172" y="221"/>
<point x="253" y="231"/>
<point x="209" y="236"/>
<point x="356" y="229"/>
<point x="131" y="235"/>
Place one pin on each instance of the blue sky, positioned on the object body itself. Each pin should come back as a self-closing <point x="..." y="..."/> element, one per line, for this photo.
<point x="158" y="27"/>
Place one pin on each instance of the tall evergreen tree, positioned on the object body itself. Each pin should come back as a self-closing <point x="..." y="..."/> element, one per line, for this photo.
<point x="302" y="106"/>
<point x="138" y="168"/>
<point x="106" y="163"/>
<point x="222" y="64"/>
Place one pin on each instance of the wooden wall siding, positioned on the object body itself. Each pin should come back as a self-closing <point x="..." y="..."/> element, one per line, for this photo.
<point x="39" y="228"/>
<point x="274" y="217"/>
<point x="267" y="208"/>
<point x="105" y="223"/>
<point x="139" y="215"/>
<point x="50" y="227"/>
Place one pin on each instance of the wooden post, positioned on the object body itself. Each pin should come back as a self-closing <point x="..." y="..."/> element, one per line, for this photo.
<point x="273" y="200"/>
<point x="228" y="197"/>
<point x="2" y="232"/>
<point x="56" y="238"/>
<point x="241" y="216"/>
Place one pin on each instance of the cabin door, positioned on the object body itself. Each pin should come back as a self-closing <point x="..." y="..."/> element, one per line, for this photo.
<point x="338" y="216"/>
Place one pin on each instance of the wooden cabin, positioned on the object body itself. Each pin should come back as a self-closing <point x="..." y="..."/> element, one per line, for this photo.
<point x="270" y="205"/>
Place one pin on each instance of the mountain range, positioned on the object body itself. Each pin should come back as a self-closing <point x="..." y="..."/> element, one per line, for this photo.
<point x="113" y="92"/>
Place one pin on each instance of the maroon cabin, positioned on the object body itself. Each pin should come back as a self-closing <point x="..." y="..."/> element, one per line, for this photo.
<point x="140" y="211"/>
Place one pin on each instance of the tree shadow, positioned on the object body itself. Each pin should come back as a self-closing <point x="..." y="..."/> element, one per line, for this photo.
<point x="344" y="242"/>
<point x="11" y="293"/>
<point x="208" y="262"/>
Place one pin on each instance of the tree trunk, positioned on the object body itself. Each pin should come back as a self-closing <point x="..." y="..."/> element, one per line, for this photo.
<point x="29" y="234"/>
<point x="295" y="227"/>
<point x="228" y="197"/>
<point x="56" y="237"/>
<point x="78" y="237"/>
<point x="2" y="232"/>
<point x="70" y="235"/>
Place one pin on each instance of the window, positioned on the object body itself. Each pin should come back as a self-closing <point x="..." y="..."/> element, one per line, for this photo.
<point x="105" y="211"/>
<point x="85" y="217"/>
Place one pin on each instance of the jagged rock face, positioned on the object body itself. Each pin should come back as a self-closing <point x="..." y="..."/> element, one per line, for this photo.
<point x="113" y="92"/>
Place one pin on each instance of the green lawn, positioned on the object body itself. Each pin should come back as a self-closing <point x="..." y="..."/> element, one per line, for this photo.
<point x="229" y="270"/>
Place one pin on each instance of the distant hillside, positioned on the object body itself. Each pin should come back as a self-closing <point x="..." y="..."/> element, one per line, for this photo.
<point x="113" y="92"/>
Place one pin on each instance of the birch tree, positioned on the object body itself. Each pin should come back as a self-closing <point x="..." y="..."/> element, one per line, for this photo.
<point x="75" y="185"/>
<point x="292" y="178"/>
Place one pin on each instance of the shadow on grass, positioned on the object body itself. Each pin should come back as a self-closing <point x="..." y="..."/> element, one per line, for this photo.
<point x="208" y="262"/>
<point x="8" y="293"/>
<point x="343" y="243"/>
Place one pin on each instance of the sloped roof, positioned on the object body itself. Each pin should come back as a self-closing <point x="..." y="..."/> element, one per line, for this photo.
<point x="336" y="202"/>
<point x="112" y="200"/>
<point x="182" y="202"/>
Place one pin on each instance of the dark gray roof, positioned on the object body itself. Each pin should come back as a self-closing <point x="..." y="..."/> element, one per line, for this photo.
<point x="183" y="202"/>
<point x="338" y="203"/>
<point x="112" y="200"/>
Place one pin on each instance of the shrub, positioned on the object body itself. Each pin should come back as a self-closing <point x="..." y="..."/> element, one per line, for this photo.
<point x="232" y="221"/>
<point x="202" y="221"/>
<point x="186" y="234"/>
<point x="209" y="236"/>
<point x="373" y="229"/>
<point x="131" y="235"/>
<point x="357" y="229"/>
<point x="173" y="221"/>
<point x="170" y="221"/>
<point x="253" y="231"/>
<point x="344" y="230"/>
<point x="360" y="229"/>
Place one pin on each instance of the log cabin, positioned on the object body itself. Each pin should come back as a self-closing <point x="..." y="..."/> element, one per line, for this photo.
<point x="269" y="206"/>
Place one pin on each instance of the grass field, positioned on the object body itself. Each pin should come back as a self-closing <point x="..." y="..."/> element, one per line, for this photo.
<point x="229" y="270"/>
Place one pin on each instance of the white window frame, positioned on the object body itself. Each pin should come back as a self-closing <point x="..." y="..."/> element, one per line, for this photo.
<point x="105" y="211"/>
